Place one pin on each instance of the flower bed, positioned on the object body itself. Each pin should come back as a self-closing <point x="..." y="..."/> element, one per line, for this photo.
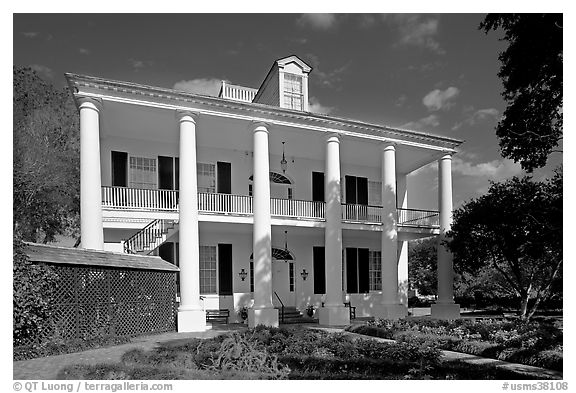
<point x="286" y="353"/>
<point x="533" y="343"/>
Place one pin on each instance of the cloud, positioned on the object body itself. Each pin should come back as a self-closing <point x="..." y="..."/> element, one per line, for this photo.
<point x="30" y="34"/>
<point x="400" y="101"/>
<point x="84" y="51"/>
<point x="140" y="64"/>
<point x="43" y="71"/>
<point x="417" y="30"/>
<point x="331" y="79"/>
<point x="438" y="99"/>
<point x="496" y="170"/>
<point x="314" y="106"/>
<point x="317" y="21"/>
<point x="426" y="122"/>
<point x="478" y="117"/>
<point x="205" y="86"/>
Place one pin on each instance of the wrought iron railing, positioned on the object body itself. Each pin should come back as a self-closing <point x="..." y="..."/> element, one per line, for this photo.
<point x="149" y="238"/>
<point x="281" y="307"/>
<point x="418" y="218"/>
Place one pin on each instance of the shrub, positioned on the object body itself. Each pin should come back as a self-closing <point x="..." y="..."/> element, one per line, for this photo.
<point x="34" y="289"/>
<point x="236" y="353"/>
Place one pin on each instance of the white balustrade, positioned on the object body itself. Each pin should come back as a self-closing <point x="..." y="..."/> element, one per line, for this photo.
<point x="123" y="198"/>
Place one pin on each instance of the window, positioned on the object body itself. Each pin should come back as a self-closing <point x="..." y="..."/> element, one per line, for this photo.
<point x="291" y="276"/>
<point x="208" y="271"/>
<point x="375" y="272"/>
<point x="374" y="193"/>
<point x="357" y="270"/>
<point x="293" y="92"/>
<point x="206" y="177"/>
<point x="143" y="172"/>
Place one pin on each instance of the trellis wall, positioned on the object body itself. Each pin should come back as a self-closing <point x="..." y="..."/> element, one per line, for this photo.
<point x="94" y="301"/>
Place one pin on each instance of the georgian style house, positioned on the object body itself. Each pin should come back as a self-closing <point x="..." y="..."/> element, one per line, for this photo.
<point x="258" y="201"/>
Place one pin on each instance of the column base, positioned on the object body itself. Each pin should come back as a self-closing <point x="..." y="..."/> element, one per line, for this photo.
<point x="263" y="316"/>
<point x="334" y="316"/>
<point x="390" y="311"/>
<point x="445" y="311"/>
<point x="191" y="321"/>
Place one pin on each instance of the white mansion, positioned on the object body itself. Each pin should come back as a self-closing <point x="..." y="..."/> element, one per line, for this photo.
<point x="258" y="201"/>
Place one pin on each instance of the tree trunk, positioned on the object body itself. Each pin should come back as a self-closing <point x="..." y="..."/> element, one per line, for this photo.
<point x="524" y="306"/>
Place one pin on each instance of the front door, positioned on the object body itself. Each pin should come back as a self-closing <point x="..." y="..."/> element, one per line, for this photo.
<point x="283" y="282"/>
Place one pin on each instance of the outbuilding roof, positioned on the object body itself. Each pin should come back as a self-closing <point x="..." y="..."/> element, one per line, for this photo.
<point x="80" y="256"/>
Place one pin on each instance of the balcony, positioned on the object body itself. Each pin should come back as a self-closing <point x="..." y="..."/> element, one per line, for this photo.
<point x="124" y="199"/>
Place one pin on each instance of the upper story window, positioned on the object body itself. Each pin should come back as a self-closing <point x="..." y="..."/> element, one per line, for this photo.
<point x="143" y="172"/>
<point x="206" y="177"/>
<point x="293" y="97"/>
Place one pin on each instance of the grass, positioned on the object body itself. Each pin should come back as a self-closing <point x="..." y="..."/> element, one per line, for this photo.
<point x="285" y="353"/>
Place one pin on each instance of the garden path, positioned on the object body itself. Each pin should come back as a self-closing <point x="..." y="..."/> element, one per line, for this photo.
<point x="49" y="366"/>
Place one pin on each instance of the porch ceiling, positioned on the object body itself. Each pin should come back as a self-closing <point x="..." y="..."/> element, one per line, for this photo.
<point x="161" y="125"/>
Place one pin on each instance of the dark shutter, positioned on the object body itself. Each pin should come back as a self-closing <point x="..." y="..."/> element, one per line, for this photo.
<point x="165" y="173"/>
<point x="224" y="177"/>
<point x="177" y="173"/>
<point x="351" y="270"/>
<point x="319" y="270"/>
<point x="362" y="190"/>
<point x="119" y="169"/>
<point x="363" y="271"/>
<point x="318" y="186"/>
<point x="225" y="269"/>
<point x="351" y="189"/>
<point x="166" y="252"/>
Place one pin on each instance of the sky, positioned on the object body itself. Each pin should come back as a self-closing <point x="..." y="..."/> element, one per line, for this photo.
<point x="435" y="73"/>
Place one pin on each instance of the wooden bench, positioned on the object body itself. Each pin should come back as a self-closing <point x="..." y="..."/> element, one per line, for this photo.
<point x="221" y="315"/>
<point x="352" y="310"/>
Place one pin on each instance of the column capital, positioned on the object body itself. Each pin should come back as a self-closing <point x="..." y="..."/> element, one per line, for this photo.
<point x="333" y="137"/>
<point x="187" y="115"/>
<point x="447" y="155"/>
<point x="258" y="125"/>
<point x="89" y="102"/>
<point x="386" y="145"/>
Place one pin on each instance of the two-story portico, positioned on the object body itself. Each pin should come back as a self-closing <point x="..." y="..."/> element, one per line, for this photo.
<point x="258" y="201"/>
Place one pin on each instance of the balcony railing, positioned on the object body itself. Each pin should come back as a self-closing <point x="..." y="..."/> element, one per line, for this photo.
<point x="123" y="198"/>
<point x="361" y="213"/>
<point x="418" y="218"/>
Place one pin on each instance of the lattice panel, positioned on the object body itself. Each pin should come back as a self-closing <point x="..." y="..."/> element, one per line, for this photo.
<point x="94" y="301"/>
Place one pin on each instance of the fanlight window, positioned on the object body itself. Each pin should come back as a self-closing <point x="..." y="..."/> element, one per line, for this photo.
<point x="279" y="254"/>
<point x="277" y="178"/>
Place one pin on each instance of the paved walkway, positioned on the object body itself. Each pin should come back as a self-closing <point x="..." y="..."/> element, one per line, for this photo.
<point x="48" y="367"/>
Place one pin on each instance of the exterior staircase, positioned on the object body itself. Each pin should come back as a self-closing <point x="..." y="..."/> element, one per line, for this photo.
<point x="292" y="316"/>
<point x="150" y="237"/>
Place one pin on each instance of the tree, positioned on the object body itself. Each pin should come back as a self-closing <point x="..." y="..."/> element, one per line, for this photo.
<point x="46" y="159"/>
<point x="531" y="72"/>
<point x="516" y="228"/>
<point x="422" y="274"/>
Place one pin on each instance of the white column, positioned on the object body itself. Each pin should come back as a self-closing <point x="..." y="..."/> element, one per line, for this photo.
<point x="402" y="202"/>
<point x="191" y="316"/>
<point x="91" y="232"/>
<point x="263" y="312"/>
<point x="445" y="308"/>
<point x="391" y="308"/>
<point x="334" y="312"/>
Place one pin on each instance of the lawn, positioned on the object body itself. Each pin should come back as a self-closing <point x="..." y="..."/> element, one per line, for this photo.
<point x="535" y="343"/>
<point x="286" y="353"/>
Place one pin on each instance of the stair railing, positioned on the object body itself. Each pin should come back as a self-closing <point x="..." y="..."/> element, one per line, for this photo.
<point x="282" y="308"/>
<point x="147" y="236"/>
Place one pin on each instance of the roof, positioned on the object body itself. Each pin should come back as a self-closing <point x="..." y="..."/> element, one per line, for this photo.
<point x="79" y="256"/>
<point x="113" y="87"/>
